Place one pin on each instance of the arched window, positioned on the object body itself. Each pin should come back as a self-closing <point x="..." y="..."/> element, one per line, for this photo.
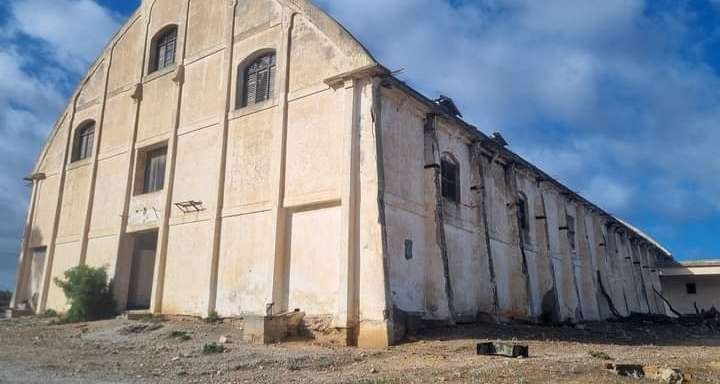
<point x="523" y="217"/>
<point x="258" y="80"/>
<point x="83" y="141"/>
<point x="450" y="172"/>
<point x="163" y="48"/>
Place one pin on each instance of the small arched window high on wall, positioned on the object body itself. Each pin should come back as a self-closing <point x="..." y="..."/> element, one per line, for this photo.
<point x="83" y="141"/>
<point x="164" y="46"/>
<point x="258" y="80"/>
<point x="450" y="172"/>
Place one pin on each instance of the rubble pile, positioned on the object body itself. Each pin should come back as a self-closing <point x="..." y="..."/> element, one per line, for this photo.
<point x="707" y="319"/>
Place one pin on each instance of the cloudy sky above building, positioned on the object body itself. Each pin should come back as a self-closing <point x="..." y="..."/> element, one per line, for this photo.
<point x="619" y="99"/>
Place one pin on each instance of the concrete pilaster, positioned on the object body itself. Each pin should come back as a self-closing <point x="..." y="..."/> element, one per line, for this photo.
<point x="178" y="79"/>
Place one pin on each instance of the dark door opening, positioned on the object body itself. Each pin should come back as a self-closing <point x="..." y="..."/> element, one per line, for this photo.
<point x="142" y="270"/>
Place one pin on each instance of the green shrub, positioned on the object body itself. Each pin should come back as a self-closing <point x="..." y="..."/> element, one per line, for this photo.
<point x="211" y="348"/>
<point x="599" y="355"/>
<point x="51" y="313"/>
<point x="213" y="318"/>
<point x="89" y="294"/>
<point x="5" y="298"/>
<point x="182" y="335"/>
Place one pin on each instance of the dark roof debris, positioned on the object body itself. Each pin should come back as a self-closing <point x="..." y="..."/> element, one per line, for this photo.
<point x="448" y="105"/>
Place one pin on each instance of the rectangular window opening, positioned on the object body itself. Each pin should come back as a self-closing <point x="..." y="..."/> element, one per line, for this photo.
<point x="151" y="170"/>
<point x="523" y="220"/>
<point x="571" y="232"/>
<point x="408" y="249"/>
<point x="691" y="288"/>
<point x="450" y="181"/>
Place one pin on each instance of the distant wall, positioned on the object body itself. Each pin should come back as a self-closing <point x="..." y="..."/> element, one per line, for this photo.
<point x="675" y="289"/>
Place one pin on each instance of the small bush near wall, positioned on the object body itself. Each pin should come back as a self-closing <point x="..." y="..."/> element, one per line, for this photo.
<point x="5" y="297"/>
<point x="88" y="292"/>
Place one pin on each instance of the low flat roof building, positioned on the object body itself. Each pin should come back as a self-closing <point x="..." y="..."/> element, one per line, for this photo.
<point x="692" y="286"/>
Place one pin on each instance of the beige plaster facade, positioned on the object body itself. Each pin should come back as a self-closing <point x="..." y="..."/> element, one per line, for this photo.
<point x="692" y="286"/>
<point x="326" y="197"/>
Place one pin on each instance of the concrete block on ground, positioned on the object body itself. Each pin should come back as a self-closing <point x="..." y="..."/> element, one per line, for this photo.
<point x="503" y="349"/>
<point x="271" y="329"/>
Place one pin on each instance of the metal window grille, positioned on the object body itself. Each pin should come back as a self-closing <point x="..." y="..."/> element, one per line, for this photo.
<point x="165" y="46"/>
<point x="84" y="141"/>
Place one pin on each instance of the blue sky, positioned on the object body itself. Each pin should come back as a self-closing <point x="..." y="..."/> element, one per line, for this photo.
<point x="619" y="99"/>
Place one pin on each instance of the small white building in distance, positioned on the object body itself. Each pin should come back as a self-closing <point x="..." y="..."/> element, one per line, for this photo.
<point x="692" y="286"/>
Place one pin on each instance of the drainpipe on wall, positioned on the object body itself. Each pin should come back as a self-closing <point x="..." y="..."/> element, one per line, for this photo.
<point x="280" y="289"/>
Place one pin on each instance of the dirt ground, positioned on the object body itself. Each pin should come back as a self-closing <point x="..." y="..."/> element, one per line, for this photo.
<point x="171" y="351"/>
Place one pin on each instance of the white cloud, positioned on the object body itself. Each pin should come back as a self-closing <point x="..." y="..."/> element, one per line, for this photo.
<point x="602" y="95"/>
<point x="610" y="194"/>
<point x="37" y="74"/>
<point x="76" y="30"/>
<point x="25" y="91"/>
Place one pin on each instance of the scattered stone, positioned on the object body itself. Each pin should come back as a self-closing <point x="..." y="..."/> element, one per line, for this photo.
<point x="154" y="327"/>
<point x="502" y="349"/>
<point x="670" y="376"/>
<point x="665" y="375"/>
<point x="373" y="370"/>
<point x="137" y="328"/>
<point x="629" y="370"/>
<point x="224" y="339"/>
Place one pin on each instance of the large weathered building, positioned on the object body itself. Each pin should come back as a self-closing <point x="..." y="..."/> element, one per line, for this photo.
<point x="250" y="156"/>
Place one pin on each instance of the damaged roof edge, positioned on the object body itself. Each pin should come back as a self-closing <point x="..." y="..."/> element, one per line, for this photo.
<point x="482" y="137"/>
<point x="644" y="235"/>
